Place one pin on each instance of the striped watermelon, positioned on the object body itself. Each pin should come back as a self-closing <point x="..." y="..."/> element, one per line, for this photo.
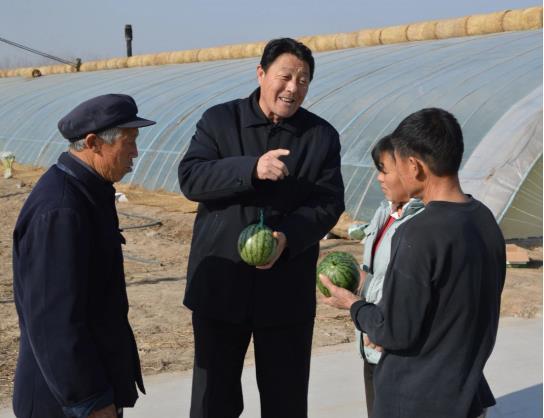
<point x="343" y="270"/>
<point x="256" y="245"/>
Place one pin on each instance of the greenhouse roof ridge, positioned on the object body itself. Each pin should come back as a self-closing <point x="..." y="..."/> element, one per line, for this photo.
<point x="472" y="25"/>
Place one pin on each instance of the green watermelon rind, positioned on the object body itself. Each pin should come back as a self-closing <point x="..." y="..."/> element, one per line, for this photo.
<point x="341" y="268"/>
<point x="256" y="245"/>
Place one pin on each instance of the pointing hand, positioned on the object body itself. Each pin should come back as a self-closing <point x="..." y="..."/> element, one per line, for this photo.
<point x="270" y="167"/>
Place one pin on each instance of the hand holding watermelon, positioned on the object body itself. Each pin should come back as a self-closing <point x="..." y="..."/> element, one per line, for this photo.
<point x="341" y="268"/>
<point x="337" y="278"/>
<point x="259" y="246"/>
<point x="281" y="244"/>
<point x="339" y="298"/>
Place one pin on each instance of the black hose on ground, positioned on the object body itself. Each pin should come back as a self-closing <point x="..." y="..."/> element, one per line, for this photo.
<point x="13" y="194"/>
<point x="140" y="259"/>
<point x="152" y="221"/>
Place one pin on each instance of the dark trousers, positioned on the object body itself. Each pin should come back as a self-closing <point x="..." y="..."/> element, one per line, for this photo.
<point x="368" y="372"/>
<point x="282" y="363"/>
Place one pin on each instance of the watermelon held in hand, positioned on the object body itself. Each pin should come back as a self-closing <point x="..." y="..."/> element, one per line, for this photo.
<point x="256" y="244"/>
<point x="341" y="268"/>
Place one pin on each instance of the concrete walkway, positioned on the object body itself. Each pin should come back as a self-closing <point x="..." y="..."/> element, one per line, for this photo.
<point x="514" y="373"/>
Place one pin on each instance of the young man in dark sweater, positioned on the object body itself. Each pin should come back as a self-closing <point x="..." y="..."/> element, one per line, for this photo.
<point x="438" y="318"/>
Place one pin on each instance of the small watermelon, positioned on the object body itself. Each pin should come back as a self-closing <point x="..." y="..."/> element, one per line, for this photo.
<point x="341" y="268"/>
<point x="256" y="244"/>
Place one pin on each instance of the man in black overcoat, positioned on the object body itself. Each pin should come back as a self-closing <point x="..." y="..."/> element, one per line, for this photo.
<point x="262" y="153"/>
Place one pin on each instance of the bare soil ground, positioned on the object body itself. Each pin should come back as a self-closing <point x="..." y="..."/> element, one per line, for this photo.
<point x="155" y="265"/>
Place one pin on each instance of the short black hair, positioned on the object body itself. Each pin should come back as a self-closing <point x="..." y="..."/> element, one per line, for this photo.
<point x="276" y="47"/>
<point x="383" y="145"/>
<point x="435" y="136"/>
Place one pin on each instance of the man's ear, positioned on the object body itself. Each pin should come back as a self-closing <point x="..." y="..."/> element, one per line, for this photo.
<point x="260" y="74"/>
<point x="421" y="169"/>
<point x="93" y="142"/>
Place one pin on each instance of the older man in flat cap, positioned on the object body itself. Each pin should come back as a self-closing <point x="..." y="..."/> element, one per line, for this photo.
<point x="77" y="353"/>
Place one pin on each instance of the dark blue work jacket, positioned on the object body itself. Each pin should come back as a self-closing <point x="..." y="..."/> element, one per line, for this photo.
<point x="76" y="342"/>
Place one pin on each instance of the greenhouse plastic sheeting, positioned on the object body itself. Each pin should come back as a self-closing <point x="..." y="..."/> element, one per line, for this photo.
<point x="488" y="82"/>
<point x="504" y="157"/>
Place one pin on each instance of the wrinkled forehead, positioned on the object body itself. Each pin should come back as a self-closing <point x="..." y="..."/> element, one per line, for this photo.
<point x="291" y="63"/>
<point x="296" y="69"/>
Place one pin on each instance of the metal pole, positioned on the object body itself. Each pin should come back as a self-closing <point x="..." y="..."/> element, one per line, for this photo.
<point x="75" y="64"/>
<point x="128" y="38"/>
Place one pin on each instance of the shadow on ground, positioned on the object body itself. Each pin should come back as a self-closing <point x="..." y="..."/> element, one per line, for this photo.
<point x="525" y="403"/>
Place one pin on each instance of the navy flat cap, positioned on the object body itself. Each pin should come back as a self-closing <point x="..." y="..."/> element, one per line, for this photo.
<point x="99" y="113"/>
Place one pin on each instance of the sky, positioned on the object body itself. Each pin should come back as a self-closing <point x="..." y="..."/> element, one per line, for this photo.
<point x="94" y="29"/>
